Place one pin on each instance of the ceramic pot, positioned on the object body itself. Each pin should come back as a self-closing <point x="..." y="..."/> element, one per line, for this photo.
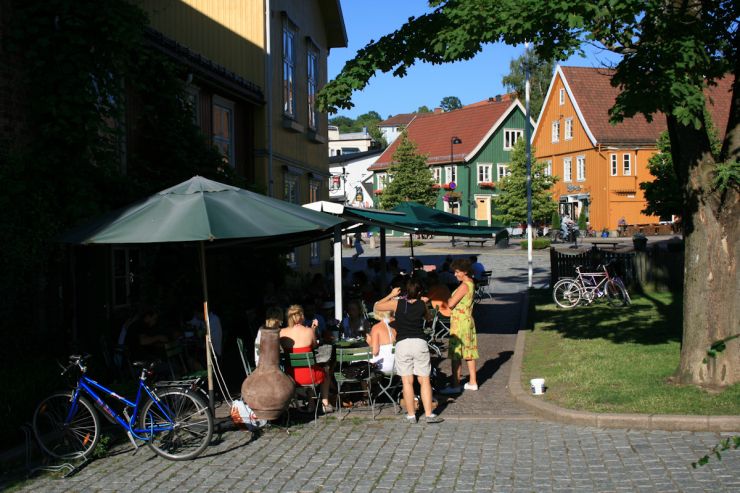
<point x="268" y="390"/>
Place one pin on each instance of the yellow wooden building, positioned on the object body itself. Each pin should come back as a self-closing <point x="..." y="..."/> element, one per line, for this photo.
<point x="255" y="67"/>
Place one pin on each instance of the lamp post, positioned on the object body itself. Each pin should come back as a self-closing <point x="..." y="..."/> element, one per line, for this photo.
<point x="528" y="146"/>
<point x="453" y="140"/>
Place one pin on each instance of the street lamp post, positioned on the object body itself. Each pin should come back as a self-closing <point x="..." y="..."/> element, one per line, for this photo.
<point x="453" y="140"/>
<point x="528" y="145"/>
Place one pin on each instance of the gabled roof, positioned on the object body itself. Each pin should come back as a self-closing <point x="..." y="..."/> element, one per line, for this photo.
<point x="433" y="132"/>
<point x="592" y="95"/>
<point x="400" y="119"/>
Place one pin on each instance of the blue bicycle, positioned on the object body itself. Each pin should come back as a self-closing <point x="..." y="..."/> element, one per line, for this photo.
<point x="172" y="418"/>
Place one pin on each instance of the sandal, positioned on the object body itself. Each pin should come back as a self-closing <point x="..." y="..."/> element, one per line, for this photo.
<point x="328" y="408"/>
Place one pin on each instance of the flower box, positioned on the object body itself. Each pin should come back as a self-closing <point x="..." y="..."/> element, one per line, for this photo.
<point x="436" y="186"/>
<point x="378" y="192"/>
<point x="448" y="186"/>
<point x="487" y="184"/>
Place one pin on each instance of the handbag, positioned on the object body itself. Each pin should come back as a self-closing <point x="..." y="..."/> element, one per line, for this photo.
<point x="359" y="370"/>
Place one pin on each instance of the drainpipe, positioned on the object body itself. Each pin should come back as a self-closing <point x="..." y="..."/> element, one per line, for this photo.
<point x="268" y="86"/>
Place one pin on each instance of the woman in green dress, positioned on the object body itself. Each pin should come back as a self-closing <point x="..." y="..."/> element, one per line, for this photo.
<point x="463" y="339"/>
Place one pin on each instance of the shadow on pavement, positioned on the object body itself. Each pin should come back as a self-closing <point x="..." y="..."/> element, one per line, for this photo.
<point x="491" y="366"/>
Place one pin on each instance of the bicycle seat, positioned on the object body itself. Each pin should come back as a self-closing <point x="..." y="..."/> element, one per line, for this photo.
<point x="76" y="358"/>
<point x="142" y="364"/>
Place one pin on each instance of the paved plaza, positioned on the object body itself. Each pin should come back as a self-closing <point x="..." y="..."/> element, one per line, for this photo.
<point x="487" y="442"/>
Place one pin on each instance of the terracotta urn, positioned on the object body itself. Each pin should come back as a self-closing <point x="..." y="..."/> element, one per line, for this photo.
<point x="268" y="390"/>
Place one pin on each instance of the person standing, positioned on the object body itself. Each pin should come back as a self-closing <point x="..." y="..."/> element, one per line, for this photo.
<point x="412" y="352"/>
<point x="463" y="338"/>
<point x="358" y="245"/>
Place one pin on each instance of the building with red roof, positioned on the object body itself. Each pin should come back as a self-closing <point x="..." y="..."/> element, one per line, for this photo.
<point x="601" y="165"/>
<point x="467" y="150"/>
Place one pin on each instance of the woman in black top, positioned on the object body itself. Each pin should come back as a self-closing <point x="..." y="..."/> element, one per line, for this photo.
<point x="412" y="352"/>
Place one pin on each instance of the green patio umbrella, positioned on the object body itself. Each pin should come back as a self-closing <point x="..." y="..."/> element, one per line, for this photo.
<point x="201" y="210"/>
<point x="421" y="213"/>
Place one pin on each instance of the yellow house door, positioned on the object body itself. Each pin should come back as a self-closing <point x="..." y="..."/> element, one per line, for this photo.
<point x="483" y="208"/>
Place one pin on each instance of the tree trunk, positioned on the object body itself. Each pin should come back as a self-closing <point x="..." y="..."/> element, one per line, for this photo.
<point x="711" y="298"/>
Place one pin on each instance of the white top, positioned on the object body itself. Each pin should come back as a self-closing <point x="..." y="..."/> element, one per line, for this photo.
<point x="385" y="357"/>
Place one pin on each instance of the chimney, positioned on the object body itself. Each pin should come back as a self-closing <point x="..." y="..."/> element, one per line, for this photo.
<point x="498" y="98"/>
<point x="437" y="110"/>
<point x="490" y="100"/>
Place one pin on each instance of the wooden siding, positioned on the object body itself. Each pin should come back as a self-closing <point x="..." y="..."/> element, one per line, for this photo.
<point x="611" y="197"/>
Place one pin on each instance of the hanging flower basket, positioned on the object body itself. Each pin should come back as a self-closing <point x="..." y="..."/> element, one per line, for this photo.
<point x="378" y="192"/>
<point x="448" y="186"/>
<point x="487" y="184"/>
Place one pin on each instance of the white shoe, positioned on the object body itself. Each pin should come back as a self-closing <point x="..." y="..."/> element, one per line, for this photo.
<point x="470" y="386"/>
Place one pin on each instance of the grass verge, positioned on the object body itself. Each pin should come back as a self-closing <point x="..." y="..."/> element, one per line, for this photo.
<point x="602" y="359"/>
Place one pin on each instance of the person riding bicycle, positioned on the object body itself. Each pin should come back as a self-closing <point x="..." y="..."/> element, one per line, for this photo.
<point x="566" y="225"/>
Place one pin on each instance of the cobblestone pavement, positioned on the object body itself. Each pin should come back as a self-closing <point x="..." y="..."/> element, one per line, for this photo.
<point x="487" y="443"/>
<point x="391" y="455"/>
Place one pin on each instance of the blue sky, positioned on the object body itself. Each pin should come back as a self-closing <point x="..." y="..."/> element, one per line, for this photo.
<point x="426" y="84"/>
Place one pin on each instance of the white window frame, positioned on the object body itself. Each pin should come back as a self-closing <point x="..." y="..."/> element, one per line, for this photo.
<point x="382" y="180"/>
<point x="562" y="97"/>
<point x="315" y="253"/>
<point x="312" y="83"/>
<point x="335" y="183"/>
<point x="614" y="160"/>
<point x="451" y="174"/>
<point x="548" y="167"/>
<point x="291" y="258"/>
<point x="224" y="143"/>
<point x="581" y="168"/>
<point x="290" y="34"/>
<point x="555" y="131"/>
<point x="567" y="169"/>
<point x="568" y="131"/>
<point x="626" y="164"/>
<point x="511" y="136"/>
<point x="502" y="169"/>
<point x="437" y="175"/>
<point x="291" y="188"/>
<point x="314" y="188"/>
<point x="484" y="172"/>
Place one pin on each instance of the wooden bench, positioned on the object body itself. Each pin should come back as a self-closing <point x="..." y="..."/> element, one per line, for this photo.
<point x="482" y="242"/>
<point x="596" y="243"/>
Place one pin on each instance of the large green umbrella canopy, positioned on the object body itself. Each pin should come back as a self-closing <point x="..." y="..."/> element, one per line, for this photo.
<point x="421" y="213"/>
<point x="200" y="210"/>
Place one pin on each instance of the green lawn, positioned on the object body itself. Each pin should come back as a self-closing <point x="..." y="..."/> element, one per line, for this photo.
<point x="603" y="359"/>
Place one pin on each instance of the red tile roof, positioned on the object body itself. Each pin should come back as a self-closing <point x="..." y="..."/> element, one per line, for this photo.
<point x="594" y="94"/>
<point x="432" y="132"/>
<point x="400" y="119"/>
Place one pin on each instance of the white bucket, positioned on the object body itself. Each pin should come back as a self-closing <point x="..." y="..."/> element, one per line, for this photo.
<point x="538" y="386"/>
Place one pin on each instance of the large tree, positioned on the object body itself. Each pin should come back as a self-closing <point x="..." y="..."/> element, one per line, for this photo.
<point x="450" y="103"/>
<point x="670" y="50"/>
<point x="511" y="203"/>
<point x="540" y="74"/>
<point x="411" y="178"/>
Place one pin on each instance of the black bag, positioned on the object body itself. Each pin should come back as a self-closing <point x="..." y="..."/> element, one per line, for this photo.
<point x="359" y="370"/>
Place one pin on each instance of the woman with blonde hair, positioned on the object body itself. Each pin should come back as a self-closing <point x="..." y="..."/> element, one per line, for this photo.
<point x="297" y="338"/>
<point x="381" y="339"/>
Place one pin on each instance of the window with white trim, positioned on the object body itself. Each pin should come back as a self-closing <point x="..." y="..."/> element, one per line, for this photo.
<point x="313" y="190"/>
<point x="548" y="167"/>
<point x="312" y="70"/>
<point x="290" y="191"/>
<point x="437" y="174"/>
<point x="568" y="134"/>
<point x="451" y="174"/>
<point x="614" y="164"/>
<point x="223" y="128"/>
<point x="567" y="171"/>
<point x="502" y="170"/>
<point x="291" y="258"/>
<point x="289" y="37"/>
<point x="626" y="164"/>
<point x="556" y="131"/>
<point x="562" y="97"/>
<point x="335" y="183"/>
<point x="511" y="136"/>
<point x="484" y="172"/>
<point x="581" y="168"/>
<point x="315" y="251"/>
<point x="382" y="180"/>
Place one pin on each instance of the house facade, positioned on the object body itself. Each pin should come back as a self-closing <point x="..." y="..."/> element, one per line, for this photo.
<point x="392" y="127"/>
<point x="468" y="151"/>
<point x="349" y="143"/>
<point x="254" y="79"/>
<point x="351" y="183"/>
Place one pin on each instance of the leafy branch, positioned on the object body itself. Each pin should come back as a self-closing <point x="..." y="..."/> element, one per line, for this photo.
<point x="728" y="443"/>
<point x="718" y="347"/>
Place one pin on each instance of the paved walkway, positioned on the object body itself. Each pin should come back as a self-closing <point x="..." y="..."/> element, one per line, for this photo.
<point x="487" y="443"/>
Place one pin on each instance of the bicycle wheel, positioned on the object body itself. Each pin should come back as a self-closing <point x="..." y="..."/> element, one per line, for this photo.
<point x="181" y="424"/>
<point x="616" y="294"/>
<point x="566" y="293"/>
<point x="64" y="434"/>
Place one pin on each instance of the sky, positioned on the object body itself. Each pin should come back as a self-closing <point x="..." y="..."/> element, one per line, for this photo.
<point x="425" y="84"/>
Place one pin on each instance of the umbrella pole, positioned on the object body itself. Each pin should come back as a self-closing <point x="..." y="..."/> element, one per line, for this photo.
<point x="338" y="273"/>
<point x="411" y="240"/>
<point x="383" y="266"/>
<point x="209" y="363"/>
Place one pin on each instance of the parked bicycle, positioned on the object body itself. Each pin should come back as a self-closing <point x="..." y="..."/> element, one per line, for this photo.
<point x="587" y="287"/>
<point x="172" y="418"/>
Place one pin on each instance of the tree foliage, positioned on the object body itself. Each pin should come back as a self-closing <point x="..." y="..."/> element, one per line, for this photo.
<point x="511" y="203"/>
<point x="540" y="74"/>
<point x="368" y="121"/>
<point x="423" y="109"/>
<point x="450" y="103"/>
<point x="411" y="178"/>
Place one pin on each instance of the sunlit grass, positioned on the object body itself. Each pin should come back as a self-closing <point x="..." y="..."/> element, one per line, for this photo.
<point x="596" y="358"/>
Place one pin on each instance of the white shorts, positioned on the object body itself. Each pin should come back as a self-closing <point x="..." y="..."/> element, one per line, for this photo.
<point x="412" y="358"/>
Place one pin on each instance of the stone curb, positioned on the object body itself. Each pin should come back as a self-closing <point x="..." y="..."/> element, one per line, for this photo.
<point x="667" y="422"/>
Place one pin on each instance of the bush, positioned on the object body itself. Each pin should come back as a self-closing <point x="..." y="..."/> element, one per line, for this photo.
<point x="407" y="243"/>
<point x="582" y="221"/>
<point x="537" y="244"/>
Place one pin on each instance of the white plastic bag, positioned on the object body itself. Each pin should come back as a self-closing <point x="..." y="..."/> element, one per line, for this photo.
<point x="243" y="416"/>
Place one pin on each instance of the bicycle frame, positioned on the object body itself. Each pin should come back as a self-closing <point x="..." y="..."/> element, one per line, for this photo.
<point x="589" y="284"/>
<point x="86" y="385"/>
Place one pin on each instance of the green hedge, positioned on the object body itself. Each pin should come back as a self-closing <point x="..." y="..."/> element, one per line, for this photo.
<point x="537" y="244"/>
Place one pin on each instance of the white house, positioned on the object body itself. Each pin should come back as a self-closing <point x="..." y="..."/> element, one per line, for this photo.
<point x="350" y="182"/>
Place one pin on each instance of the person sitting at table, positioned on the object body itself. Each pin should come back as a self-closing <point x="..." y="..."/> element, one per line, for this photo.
<point x="381" y="339"/>
<point x="412" y="352"/>
<point x="198" y="322"/>
<point x="438" y="294"/>
<point x="354" y="324"/>
<point x="479" y="271"/>
<point x="145" y="338"/>
<point x="273" y="317"/>
<point x="297" y="338"/>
